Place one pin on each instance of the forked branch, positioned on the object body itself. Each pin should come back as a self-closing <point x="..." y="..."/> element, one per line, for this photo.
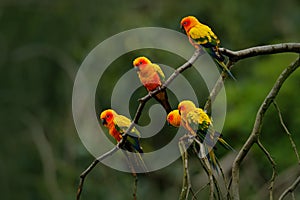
<point x="234" y="56"/>
<point x="253" y="138"/>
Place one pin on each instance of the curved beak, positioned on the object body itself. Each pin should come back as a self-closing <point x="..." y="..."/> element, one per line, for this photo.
<point x="136" y="68"/>
<point x="182" y="28"/>
<point x="103" y="121"/>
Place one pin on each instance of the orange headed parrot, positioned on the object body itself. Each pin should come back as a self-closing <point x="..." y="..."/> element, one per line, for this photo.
<point x="173" y="118"/>
<point x="197" y="122"/>
<point x="201" y="34"/>
<point x="152" y="77"/>
<point x="117" y="125"/>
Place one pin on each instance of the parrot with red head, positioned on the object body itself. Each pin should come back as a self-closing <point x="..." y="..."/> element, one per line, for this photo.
<point x="201" y="34"/>
<point x="152" y="77"/>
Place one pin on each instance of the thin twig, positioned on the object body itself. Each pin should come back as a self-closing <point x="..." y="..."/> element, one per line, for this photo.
<point x="287" y="131"/>
<point x="257" y="126"/>
<point x="186" y="184"/>
<point x="212" y="181"/>
<point x="199" y="190"/>
<point x="216" y="89"/>
<point x="290" y="189"/>
<point x="274" y="172"/>
<point x="133" y="171"/>
<point x="92" y="165"/>
<point x="224" y="179"/>
<point x="210" y="174"/>
<point x="135" y="186"/>
<point x="261" y="50"/>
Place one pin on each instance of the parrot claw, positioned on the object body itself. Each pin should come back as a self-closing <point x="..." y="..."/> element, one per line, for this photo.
<point x="158" y="88"/>
<point x="191" y="138"/>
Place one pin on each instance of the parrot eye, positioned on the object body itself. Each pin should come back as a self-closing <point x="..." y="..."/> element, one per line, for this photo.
<point x="185" y="23"/>
<point x="141" y="63"/>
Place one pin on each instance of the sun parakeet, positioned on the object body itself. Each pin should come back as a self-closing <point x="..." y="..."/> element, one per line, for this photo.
<point x="201" y="34"/>
<point x="152" y="77"/>
<point x="197" y="122"/>
<point x="173" y="118"/>
<point x="117" y="125"/>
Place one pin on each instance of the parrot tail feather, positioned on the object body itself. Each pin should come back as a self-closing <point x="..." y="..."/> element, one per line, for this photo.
<point x="162" y="98"/>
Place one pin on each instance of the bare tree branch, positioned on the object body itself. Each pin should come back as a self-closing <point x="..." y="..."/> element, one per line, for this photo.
<point x="235" y="56"/>
<point x="253" y="138"/>
<point x="290" y="189"/>
<point x="92" y="165"/>
<point x="287" y="132"/>
<point x="134" y="194"/>
<point x="216" y="89"/>
<point x="274" y="172"/>
<point x="212" y="181"/>
<point x="186" y="184"/>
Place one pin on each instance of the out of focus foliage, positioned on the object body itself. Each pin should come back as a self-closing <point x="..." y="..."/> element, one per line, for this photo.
<point x="42" y="44"/>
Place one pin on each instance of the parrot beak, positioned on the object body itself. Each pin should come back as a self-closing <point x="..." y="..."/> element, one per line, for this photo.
<point x="104" y="122"/>
<point x="136" y="68"/>
<point x="182" y="29"/>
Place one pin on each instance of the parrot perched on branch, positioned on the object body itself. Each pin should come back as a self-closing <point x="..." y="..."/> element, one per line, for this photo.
<point x="198" y="124"/>
<point x="117" y="125"/>
<point x="197" y="121"/>
<point x="152" y="77"/>
<point x="201" y="34"/>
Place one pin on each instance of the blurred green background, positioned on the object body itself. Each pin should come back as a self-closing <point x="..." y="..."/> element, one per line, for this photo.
<point x="43" y="43"/>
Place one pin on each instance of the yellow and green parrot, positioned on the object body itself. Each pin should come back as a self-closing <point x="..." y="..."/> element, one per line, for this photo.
<point x="201" y="34"/>
<point x="152" y="77"/>
<point x="198" y="123"/>
<point x="117" y="125"/>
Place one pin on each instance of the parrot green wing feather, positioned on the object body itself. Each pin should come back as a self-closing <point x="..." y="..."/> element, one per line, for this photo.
<point x="192" y="120"/>
<point x="122" y="123"/>
<point x="159" y="72"/>
<point x="132" y="143"/>
<point x="203" y="35"/>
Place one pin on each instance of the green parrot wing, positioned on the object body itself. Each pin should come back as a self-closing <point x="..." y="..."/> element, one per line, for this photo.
<point x="204" y="122"/>
<point x="132" y="143"/>
<point x="122" y="123"/>
<point x="203" y="35"/>
<point x="159" y="72"/>
<point x="192" y="120"/>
